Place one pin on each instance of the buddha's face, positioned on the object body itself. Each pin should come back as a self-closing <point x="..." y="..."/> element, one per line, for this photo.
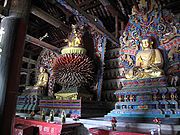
<point x="41" y="69"/>
<point x="145" y="43"/>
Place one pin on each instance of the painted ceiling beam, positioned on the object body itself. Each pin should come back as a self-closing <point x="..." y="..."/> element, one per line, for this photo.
<point x="40" y="43"/>
<point x="86" y="2"/>
<point x="28" y="60"/>
<point x="50" y="19"/>
<point x="113" y="11"/>
<point x="67" y="12"/>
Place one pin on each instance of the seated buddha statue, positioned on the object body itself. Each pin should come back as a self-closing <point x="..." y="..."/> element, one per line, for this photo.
<point x="74" y="38"/>
<point x="74" y="41"/>
<point x="42" y="79"/>
<point x="148" y="64"/>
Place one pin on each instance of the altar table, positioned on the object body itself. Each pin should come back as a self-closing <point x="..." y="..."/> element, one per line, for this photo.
<point x="99" y="131"/>
<point x="46" y="128"/>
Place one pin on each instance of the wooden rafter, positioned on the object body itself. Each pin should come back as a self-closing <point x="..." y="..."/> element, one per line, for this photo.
<point x="93" y="23"/>
<point x="90" y="6"/>
<point x="86" y="2"/>
<point x="28" y="60"/>
<point x="173" y="5"/>
<point x="112" y="9"/>
<point x="67" y="12"/>
<point x="40" y="43"/>
<point x="48" y="18"/>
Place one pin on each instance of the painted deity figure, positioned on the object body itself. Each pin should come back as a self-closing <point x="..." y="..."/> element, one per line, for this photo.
<point x="174" y="50"/>
<point x="42" y="79"/>
<point x="148" y="64"/>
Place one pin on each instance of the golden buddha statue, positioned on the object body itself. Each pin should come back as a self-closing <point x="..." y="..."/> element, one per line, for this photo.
<point x="74" y="42"/>
<point x="148" y="63"/>
<point x="42" y="79"/>
<point x="74" y="38"/>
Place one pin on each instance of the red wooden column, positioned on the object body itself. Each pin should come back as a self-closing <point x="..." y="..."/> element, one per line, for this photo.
<point x="12" y="37"/>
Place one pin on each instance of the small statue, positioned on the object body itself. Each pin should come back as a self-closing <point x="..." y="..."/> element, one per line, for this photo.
<point x="173" y="51"/>
<point x="51" y="116"/>
<point x="63" y="117"/>
<point x="158" y="122"/>
<point x="132" y="98"/>
<point x="148" y="63"/>
<point x="43" y="116"/>
<point x="113" y="123"/>
<point x="174" y="80"/>
<point x="120" y="98"/>
<point x="42" y="79"/>
<point x="129" y="60"/>
<point x="125" y="39"/>
<point x="134" y="11"/>
<point x="32" y="114"/>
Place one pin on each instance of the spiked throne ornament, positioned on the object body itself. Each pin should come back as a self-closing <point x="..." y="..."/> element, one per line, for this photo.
<point x="73" y="68"/>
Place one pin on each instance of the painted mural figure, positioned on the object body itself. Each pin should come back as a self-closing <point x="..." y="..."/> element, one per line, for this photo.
<point x="148" y="64"/>
<point x="174" y="50"/>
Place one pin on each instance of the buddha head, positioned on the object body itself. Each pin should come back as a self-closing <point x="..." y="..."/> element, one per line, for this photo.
<point x="146" y="43"/>
<point x="41" y="69"/>
<point x="74" y="28"/>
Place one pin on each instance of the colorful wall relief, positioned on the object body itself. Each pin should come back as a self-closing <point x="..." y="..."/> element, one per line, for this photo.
<point x="149" y="88"/>
<point x="149" y="20"/>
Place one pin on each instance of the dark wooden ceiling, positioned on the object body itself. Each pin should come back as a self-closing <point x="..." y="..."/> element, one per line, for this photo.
<point x="105" y="10"/>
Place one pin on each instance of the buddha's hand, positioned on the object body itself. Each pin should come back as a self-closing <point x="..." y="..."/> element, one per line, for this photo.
<point x="155" y="66"/>
<point x="138" y="68"/>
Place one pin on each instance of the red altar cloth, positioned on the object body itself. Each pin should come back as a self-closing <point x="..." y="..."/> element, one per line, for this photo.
<point x="46" y="128"/>
<point x="98" y="131"/>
